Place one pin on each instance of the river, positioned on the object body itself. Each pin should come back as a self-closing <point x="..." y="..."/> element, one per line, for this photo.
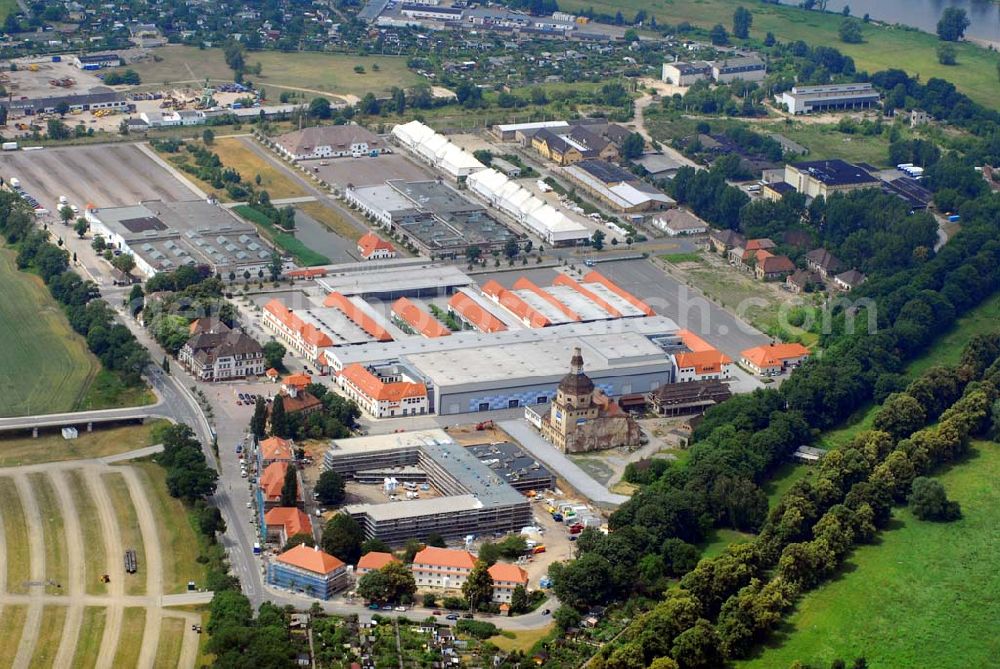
<point x="924" y="14"/>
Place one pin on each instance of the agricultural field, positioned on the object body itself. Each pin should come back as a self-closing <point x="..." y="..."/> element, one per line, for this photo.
<point x="46" y="366"/>
<point x="311" y="73"/>
<point x="883" y="48"/>
<point x="924" y="595"/>
<point x="65" y="526"/>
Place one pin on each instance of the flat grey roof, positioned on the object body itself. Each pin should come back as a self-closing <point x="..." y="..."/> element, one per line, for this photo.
<point x="170" y="234"/>
<point x="543" y="361"/>
<point x="392" y="278"/>
<point x="395" y="350"/>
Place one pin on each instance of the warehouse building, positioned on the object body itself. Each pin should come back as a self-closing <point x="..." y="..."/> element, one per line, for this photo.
<point x="163" y="236"/>
<point x="617" y="188"/>
<point x="476" y="501"/>
<point x="432" y="215"/>
<point x="746" y="68"/>
<point x="684" y="74"/>
<point x="552" y="225"/>
<point x="808" y="99"/>
<point x="100" y="97"/>
<point x="436" y="150"/>
<point x="825" y="177"/>
<point x="97" y="61"/>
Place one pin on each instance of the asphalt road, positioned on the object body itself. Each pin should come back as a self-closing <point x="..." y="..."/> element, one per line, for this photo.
<point x="81" y="417"/>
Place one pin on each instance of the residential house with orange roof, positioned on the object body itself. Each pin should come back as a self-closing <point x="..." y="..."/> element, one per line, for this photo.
<point x="283" y="522"/>
<point x="272" y="479"/>
<point x="410" y="318"/>
<point x="373" y="247"/>
<point x="299" y="381"/>
<point x="274" y="449"/>
<point x="309" y="571"/>
<point x="442" y="568"/>
<point x="304" y="338"/>
<point x="772" y="359"/>
<point x="506" y="577"/>
<point x="470" y="312"/>
<point x="769" y="267"/>
<point x="743" y="255"/>
<point x="383" y="398"/>
<point x="374" y="561"/>
<point x="702" y="365"/>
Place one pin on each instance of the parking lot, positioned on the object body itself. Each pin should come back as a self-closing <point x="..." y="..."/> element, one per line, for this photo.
<point x="106" y="176"/>
<point x="367" y="171"/>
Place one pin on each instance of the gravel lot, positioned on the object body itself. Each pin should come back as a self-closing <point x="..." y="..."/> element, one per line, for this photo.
<point x="107" y="176"/>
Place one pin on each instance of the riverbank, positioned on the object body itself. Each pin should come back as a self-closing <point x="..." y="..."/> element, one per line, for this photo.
<point x="884" y="46"/>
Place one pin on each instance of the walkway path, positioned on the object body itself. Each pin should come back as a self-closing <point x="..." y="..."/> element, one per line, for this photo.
<point x="75" y="549"/>
<point x="561" y="465"/>
<point x="113" y="566"/>
<point x="154" y="564"/>
<point x="279" y="202"/>
<point x="36" y="561"/>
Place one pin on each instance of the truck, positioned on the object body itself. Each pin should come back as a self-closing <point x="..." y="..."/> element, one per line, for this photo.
<point x="9" y="146"/>
<point x="15" y="182"/>
<point x="256" y="548"/>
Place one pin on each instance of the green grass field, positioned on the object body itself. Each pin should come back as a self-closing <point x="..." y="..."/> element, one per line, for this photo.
<point x="719" y="538"/>
<point x="88" y="644"/>
<point x="130" y="641"/>
<point x="128" y="526"/>
<point x="10" y="632"/>
<point x="49" y="636"/>
<point x="828" y="142"/>
<point x="310" y="72"/>
<point x="16" y="535"/>
<point x="884" y="48"/>
<point x="177" y="537"/>
<point x="46" y="367"/>
<point x="51" y="447"/>
<point x="926" y="595"/>
<point x="6" y="7"/>
<point x="93" y="537"/>
<point x="168" y="652"/>
<point x="54" y="533"/>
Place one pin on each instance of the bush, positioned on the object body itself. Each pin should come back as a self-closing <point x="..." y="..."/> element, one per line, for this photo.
<point x="928" y="501"/>
<point x="477" y="628"/>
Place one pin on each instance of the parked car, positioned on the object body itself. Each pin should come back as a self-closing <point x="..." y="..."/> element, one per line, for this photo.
<point x="435" y="612"/>
<point x="373" y="606"/>
<point x="452" y="616"/>
<point x="546" y="612"/>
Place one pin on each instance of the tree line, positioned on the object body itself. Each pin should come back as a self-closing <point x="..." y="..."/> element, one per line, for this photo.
<point x="726" y="605"/>
<point x="112" y="343"/>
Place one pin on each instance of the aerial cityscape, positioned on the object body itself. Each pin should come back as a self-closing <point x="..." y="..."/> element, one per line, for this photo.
<point x="370" y="334"/>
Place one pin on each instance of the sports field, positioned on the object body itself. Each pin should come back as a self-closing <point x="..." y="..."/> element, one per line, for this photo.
<point x="309" y="72"/>
<point x="926" y="595"/>
<point x="884" y="48"/>
<point x="46" y="367"/>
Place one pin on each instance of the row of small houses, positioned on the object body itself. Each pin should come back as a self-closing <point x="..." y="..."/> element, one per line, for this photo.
<point x="758" y="256"/>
